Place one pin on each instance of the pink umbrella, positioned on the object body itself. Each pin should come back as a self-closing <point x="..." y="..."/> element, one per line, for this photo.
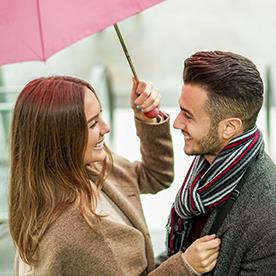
<point x="36" y="29"/>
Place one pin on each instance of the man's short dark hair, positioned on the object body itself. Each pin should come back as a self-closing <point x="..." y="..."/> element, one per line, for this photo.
<point x="233" y="83"/>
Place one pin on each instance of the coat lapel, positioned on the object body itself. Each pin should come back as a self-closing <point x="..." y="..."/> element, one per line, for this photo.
<point x="125" y="206"/>
<point x="222" y="229"/>
<point x="135" y="216"/>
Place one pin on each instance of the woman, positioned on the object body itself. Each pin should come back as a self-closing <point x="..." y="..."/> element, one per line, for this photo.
<point x="74" y="207"/>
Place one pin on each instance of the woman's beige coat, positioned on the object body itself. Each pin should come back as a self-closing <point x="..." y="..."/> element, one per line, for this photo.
<point x="71" y="247"/>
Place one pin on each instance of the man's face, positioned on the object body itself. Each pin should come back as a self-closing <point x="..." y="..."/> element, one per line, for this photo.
<point x="200" y="135"/>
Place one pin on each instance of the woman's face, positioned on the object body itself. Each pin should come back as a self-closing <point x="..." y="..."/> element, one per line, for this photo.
<point x="97" y="128"/>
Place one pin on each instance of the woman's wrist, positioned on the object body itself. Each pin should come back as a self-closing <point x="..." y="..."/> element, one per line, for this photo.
<point x="162" y="116"/>
<point x="189" y="266"/>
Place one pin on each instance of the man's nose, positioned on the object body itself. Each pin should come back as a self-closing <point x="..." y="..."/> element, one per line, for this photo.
<point x="177" y="122"/>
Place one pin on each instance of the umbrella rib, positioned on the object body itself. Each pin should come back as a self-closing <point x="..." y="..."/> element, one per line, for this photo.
<point x="40" y="30"/>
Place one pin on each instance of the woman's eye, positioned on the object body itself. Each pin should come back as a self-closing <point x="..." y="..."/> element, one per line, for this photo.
<point x="93" y="124"/>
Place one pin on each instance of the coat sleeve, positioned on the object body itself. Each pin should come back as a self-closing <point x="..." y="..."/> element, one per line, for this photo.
<point x="174" y="265"/>
<point x="155" y="172"/>
<point x="72" y="261"/>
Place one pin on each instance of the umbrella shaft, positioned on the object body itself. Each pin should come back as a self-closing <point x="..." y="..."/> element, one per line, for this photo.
<point x="126" y="51"/>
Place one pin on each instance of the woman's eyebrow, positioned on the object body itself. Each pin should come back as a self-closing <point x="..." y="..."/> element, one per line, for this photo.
<point x="93" y="118"/>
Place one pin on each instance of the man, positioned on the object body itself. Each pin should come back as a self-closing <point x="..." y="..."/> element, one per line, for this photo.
<point x="219" y="104"/>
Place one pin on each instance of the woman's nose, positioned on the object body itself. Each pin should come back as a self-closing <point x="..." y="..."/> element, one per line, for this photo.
<point x="104" y="128"/>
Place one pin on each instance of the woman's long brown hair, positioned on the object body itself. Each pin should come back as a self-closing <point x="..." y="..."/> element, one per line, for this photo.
<point x="48" y="140"/>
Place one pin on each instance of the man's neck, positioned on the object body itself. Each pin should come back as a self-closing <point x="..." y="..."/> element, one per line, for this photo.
<point x="210" y="158"/>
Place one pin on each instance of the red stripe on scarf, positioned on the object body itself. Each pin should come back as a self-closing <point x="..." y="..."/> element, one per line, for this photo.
<point x="239" y="142"/>
<point x="256" y="137"/>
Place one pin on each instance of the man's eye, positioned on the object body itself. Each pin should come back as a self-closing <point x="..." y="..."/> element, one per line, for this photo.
<point x="187" y="115"/>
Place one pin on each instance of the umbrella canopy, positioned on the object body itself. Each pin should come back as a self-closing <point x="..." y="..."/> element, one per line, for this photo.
<point x="36" y="29"/>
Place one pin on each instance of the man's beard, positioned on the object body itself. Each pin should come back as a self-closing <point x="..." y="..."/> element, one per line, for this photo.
<point x="210" y="144"/>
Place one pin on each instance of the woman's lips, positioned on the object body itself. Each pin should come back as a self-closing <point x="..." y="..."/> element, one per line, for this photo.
<point x="99" y="145"/>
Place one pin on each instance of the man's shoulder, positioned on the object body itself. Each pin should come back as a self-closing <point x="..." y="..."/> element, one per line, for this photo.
<point x="263" y="160"/>
<point x="256" y="204"/>
<point x="261" y="174"/>
<point x="257" y="199"/>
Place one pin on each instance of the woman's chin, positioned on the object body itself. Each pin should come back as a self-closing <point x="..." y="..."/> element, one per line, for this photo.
<point x="97" y="155"/>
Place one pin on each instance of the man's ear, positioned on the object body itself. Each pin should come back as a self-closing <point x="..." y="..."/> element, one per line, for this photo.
<point x="230" y="128"/>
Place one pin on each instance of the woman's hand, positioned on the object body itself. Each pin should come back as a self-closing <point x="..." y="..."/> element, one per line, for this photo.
<point x="203" y="253"/>
<point x="144" y="98"/>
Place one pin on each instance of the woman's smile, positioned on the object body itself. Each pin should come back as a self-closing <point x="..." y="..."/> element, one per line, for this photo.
<point x="99" y="145"/>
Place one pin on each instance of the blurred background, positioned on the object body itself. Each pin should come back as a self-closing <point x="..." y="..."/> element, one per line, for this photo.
<point x="158" y="39"/>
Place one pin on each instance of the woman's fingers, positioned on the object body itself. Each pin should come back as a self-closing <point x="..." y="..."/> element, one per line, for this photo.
<point x="209" y="248"/>
<point x="148" y="97"/>
<point x="208" y="243"/>
<point x="203" y="253"/>
<point x="206" y="238"/>
<point x="207" y="268"/>
<point x="210" y="265"/>
<point x="152" y="102"/>
<point x="210" y="258"/>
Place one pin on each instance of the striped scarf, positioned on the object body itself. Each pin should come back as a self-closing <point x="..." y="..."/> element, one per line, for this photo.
<point x="206" y="187"/>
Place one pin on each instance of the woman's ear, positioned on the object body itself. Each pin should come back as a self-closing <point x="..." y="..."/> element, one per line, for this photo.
<point x="230" y="128"/>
